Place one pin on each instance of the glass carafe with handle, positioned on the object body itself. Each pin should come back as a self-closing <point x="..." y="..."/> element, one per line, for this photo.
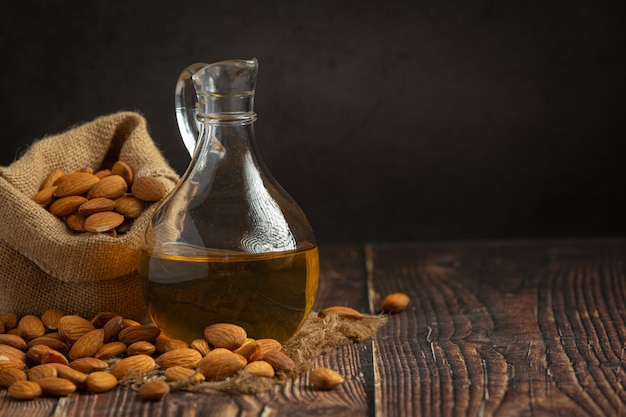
<point x="228" y="244"/>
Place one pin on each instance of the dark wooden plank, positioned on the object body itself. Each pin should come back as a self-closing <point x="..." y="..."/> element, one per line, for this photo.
<point x="500" y="328"/>
<point x="42" y="407"/>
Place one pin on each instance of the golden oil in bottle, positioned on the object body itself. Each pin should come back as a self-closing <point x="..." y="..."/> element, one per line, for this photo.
<point x="269" y="295"/>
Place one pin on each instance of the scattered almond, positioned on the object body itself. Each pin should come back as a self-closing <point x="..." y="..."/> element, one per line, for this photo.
<point x="325" y="378"/>
<point x="99" y="382"/>
<point x="341" y="311"/>
<point x="103" y="221"/>
<point x="395" y="303"/>
<point x="154" y="390"/>
<point x="11" y="375"/>
<point x="220" y="363"/>
<point x="260" y="368"/>
<point x="185" y="357"/>
<point x="31" y="327"/>
<point x="56" y="386"/>
<point x="50" y="318"/>
<point x="133" y="366"/>
<point x="25" y="390"/>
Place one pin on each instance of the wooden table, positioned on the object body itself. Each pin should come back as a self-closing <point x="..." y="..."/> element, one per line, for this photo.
<point x="493" y="328"/>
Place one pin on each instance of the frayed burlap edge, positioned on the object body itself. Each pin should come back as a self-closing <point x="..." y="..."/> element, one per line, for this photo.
<point x="318" y="336"/>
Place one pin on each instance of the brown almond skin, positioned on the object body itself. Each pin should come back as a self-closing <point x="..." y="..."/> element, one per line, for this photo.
<point x="149" y="188"/>
<point x="51" y="178"/>
<point x="45" y="196"/>
<point x="103" y="221"/>
<point x="133" y="366"/>
<point x="65" y="206"/>
<point x="225" y="335"/>
<point x="72" y="327"/>
<point x="341" y="311"/>
<point x="89" y="365"/>
<point x="111" y="187"/>
<point x="75" y="183"/>
<point x="130" y="206"/>
<point x="220" y="363"/>
<point x="11" y="375"/>
<point x="111" y="350"/>
<point x="186" y="357"/>
<point x="143" y="332"/>
<point x="25" y="390"/>
<point x="100" y="319"/>
<point x="154" y="390"/>
<point x="325" y="378"/>
<point x="96" y="205"/>
<point x="87" y="345"/>
<point x="10" y="320"/>
<point x="112" y="328"/>
<point x="37" y="372"/>
<point x="100" y="381"/>
<point x="50" y="318"/>
<point x="13" y="340"/>
<point x="31" y="327"/>
<point x="395" y="303"/>
<point x="59" y="387"/>
<point x="124" y="170"/>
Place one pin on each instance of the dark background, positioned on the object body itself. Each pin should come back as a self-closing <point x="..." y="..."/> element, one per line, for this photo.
<point x="385" y="120"/>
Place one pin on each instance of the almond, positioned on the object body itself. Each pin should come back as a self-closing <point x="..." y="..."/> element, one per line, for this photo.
<point x="279" y="361"/>
<point x="25" y="390"/>
<point x="76" y="183"/>
<point x="149" y="188"/>
<point x="102" y="173"/>
<point x="31" y="327"/>
<point x="76" y="222"/>
<point x="124" y="170"/>
<point x="11" y="375"/>
<point x="96" y="205"/>
<point x="186" y="357"/>
<point x="99" y="382"/>
<point x="72" y="327"/>
<point x="59" y="387"/>
<point x="12" y="353"/>
<point x="111" y="350"/>
<point x="48" y="342"/>
<point x="66" y="372"/>
<point x="8" y="363"/>
<point x="220" y="364"/>
<point x="143" y="332"/>
<point x="225" y="335"/>
<point x="53" y="356"/>
<point x="101" y="319"/>
<point x="45" y="196"/>
<point x="181" y="373"/>
<point x="260" y="368"/>
<point x="37" y="372"/>
<point x="111" y="187"/>
<point x="50" y="318"/>
<point x="89" y="365"/>
<point x="395" y="303"/>
<point x="341" y="311"/>
<point x="10" y="320"/>
<point x="141" y="347"/>
<point x="87" y="345"/>
<point x="130" y="206"/>
<point x="325" y="378"/>
<point x="173" y="344"/>
<point x="112" y="328"/>
<point x="201" y="345"/>
<point x="133" y="366"/>
<point x="66" y="205"/>
<point x="12" y="340"/>
<point x="51" y="178"/>
<point x="154" y="390"/>
<point x="103" y="221"/>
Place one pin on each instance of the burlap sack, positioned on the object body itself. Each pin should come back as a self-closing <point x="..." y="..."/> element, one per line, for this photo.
<point x="43" y="264"/>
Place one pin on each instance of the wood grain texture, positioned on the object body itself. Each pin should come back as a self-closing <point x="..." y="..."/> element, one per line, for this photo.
<point x="530" y="328"/>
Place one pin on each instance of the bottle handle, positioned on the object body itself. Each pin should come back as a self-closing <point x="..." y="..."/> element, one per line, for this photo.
<point x="186" y="102"/>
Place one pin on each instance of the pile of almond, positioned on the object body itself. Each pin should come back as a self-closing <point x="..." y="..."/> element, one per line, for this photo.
<point x="58" y="354"/>
<point x="104" y="201"/>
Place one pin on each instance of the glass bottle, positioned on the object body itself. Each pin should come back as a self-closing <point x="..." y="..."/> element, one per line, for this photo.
<point x="228" y="244"/>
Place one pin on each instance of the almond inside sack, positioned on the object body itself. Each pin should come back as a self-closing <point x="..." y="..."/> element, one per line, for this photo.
<point x="46" y="264"/>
